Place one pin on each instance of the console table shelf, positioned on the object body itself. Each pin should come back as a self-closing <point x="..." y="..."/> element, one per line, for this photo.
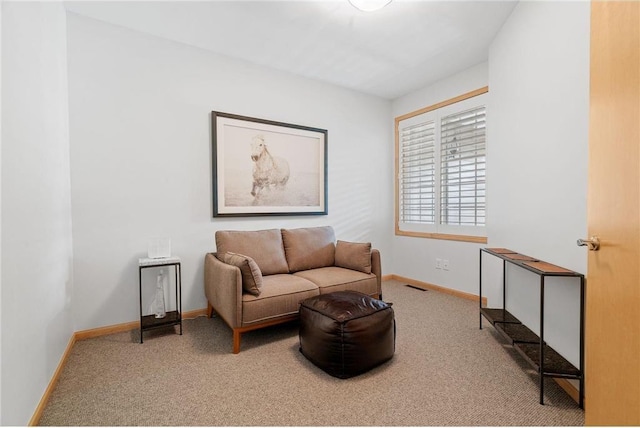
<point x="517" y="333"/>
<point x="150" y="321"/>
<point x="555" y="365"/>
<point x="498" y="315"/>
<point x="544" y="359"/>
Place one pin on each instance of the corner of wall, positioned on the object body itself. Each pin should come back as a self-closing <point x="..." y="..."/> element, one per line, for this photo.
<point x="36" y="247"/>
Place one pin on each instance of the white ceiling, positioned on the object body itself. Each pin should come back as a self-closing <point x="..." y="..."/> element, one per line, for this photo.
<point x="388" y="53"/>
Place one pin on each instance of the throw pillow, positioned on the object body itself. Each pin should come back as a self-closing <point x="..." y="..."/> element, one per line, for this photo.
<point x="354" y="255"/>
<point x="251" y="275"/>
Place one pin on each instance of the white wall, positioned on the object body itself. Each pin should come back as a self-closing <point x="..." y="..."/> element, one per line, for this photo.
<point x="141" y="158"/>
<point x="537" y="126"/>
<point x="36" y="209"/>
<point x="414" y="257"/>
<point x="537" y="159"/>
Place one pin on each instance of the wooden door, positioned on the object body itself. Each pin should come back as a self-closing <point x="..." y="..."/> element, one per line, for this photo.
<point x="612" y="348"/>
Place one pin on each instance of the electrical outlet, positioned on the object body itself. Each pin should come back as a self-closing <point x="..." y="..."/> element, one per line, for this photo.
<point x="438" y="263"/>
<point x="445" y="264"/>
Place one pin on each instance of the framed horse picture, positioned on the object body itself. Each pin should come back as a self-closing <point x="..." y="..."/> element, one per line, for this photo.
<point x="265" y="168"/>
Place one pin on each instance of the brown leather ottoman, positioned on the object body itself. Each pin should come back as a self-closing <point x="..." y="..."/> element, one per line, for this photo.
<point x="346" y="333"/>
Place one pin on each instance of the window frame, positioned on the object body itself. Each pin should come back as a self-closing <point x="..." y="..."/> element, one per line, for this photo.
<point x="443" y="231"/>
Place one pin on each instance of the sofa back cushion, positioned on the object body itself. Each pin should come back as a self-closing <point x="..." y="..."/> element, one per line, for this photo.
<point x="309" y="247"/>
<point x="263" y="246"/>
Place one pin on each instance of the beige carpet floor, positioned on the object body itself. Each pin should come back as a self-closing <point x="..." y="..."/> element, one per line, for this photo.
<point x="445" y="372"/>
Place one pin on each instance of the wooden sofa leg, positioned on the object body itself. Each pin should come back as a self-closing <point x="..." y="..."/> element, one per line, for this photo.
<point x="209" y="310"/>
<point x="236" y="341"/>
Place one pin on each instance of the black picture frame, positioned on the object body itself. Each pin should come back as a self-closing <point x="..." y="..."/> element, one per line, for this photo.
<point x="266" y="168"/>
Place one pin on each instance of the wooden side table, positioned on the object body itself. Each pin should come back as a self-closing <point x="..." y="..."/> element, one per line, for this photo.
<point x="150" y="322"/>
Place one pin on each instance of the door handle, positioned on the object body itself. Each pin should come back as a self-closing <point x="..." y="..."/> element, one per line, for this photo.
<point x="592" y="243"/>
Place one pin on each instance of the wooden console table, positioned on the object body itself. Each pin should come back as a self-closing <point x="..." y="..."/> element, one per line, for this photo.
<point x="532" y="347"/>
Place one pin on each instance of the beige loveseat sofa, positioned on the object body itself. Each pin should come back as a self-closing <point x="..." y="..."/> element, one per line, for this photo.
<point x="258" y="278"/>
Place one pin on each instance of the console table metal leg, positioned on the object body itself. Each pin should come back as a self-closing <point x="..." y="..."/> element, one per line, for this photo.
<point x="480" y="291"/>
<point x="504" y="290"/>
<point x="179" y="293"/>
<point x="140" y="292"/>
<point x="541" y="364"/>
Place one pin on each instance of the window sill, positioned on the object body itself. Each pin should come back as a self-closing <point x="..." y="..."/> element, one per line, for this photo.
<point x="444" y="236"/>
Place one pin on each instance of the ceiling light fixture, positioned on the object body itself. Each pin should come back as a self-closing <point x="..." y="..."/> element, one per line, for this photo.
<point x="369" y="5"/>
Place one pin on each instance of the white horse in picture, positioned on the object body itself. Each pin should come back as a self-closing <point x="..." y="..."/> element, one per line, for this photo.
<point x="267" y="169"/>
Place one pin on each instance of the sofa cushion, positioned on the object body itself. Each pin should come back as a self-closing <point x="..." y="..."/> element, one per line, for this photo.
<point x="309" y="247"/>
<point x="251" y="275"/>
<point x="330" y="279"/>
<point x="263" y="246"/>
<point x="354" y="255"/>
<point x="281" y="295"/>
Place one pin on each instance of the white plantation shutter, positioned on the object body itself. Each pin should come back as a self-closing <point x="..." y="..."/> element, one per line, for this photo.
<point x="441" y="165"/>
<point x="462" y="168"/>
<point x="417" y="173"/>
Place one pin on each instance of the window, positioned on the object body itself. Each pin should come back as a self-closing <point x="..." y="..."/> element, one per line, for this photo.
<point x="441" y="167"/>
